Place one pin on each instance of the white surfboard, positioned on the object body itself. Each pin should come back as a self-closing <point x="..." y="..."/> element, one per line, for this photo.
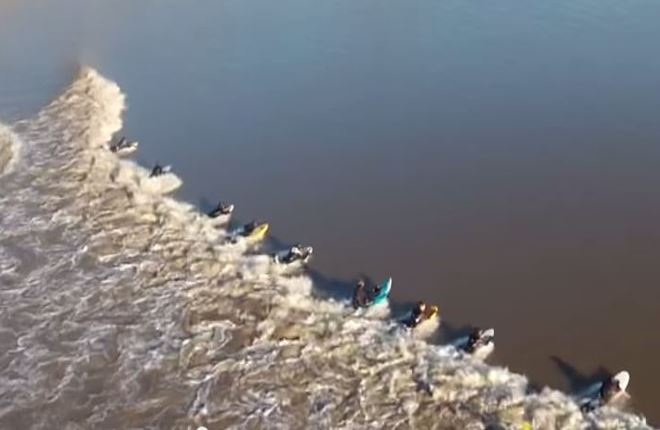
<point x="623" y="378"/>
<point x="590" y="403"/>
<point x="127" y="150"/>
<point x="489" y="333"/>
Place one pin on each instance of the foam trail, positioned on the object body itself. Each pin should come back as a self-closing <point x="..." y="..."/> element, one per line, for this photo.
<point x="121" y="307"/>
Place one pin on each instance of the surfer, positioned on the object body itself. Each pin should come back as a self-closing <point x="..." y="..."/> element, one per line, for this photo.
<point x="123" y="145"/>
<point x="159" y="170"/>
<point x="420" y="313"/>
<point x="368" y="295"/>
<point x="295" y="253"/>
<point x="249" y="228"/>
<point x="223" y="208"/>
<point x="360" y="295"/>
<point x="478" y="338"/>
<point x="254" y="231"/>
<point x="610" y="388"/>
<point x="417" y="314"/>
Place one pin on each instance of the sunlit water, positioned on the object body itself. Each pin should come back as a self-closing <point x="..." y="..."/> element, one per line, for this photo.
<point x="498" y="160"/>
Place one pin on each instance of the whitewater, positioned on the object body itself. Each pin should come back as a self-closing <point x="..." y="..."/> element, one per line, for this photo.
<point x="120" y="307"/>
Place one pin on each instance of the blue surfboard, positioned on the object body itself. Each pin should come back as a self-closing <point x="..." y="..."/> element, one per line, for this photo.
<point x="384" y="292"/>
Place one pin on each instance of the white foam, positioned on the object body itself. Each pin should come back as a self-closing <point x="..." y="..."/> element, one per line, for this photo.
<point x="171" y="319"/>
<point x="9" y="149"/>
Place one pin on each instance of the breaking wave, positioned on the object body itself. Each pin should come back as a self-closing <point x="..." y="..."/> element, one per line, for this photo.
<point x="9" y="148"/>
<point x="120" y="308"/>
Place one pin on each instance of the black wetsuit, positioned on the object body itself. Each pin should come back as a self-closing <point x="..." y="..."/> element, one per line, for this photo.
<point x="416" y="317"/>
<point x="291" y="256"/>
<point x="156" y="171"/>
<point x="473" y="342"/>
<point x="221" y="209"/>
<point x="114" y="147"/>
<point x="360" y="296"/>
<point x="609" y="390"/>
<point x="249" y="228"/>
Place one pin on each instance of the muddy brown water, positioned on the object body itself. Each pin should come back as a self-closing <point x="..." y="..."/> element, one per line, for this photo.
<point x="499" y="159"/>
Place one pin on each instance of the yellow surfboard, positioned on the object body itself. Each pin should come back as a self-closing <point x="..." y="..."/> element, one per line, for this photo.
<point x="259" y="232"/>
<point x="433" y="312"/>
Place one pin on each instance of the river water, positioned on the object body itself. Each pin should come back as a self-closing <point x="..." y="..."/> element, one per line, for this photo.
<point x="496" y="159"/>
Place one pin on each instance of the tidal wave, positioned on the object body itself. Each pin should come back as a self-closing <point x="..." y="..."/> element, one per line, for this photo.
<point x="123" y="308"/>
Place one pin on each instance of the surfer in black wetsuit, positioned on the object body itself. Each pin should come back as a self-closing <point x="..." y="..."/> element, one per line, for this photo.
<point x="609" y="389"/>
<point x="295" y="253"/>
<point x="243" y="231"/>
<point x="121" y="143"/>
<point x="477" y="339"/>
<point x="159" y="170"/>
<point x="473" y="340"/>
<point x="360" y="295"/>
<point x="156" y="171"/>
<point x="249" y="228"/>
<point x="222" y="208"/>
<point x="417" y="314"/>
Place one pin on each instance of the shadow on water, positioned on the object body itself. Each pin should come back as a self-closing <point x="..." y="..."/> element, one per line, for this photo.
<point x="205" y="205"/>
<point x="579" y="381"/>
<point x="275" y="244"/>
<point x="401" y="308"/>
<point x="331" y="287"/>
<point x="339" y="289"/>
<point x="449" y="332"/>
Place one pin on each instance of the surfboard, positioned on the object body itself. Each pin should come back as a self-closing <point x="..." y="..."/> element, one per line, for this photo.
<point x="384" y="292"/>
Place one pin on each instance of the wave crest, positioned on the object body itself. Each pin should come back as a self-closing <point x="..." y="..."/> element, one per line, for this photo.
<point x="177" y="330"/>
<point x="9" y="149"/>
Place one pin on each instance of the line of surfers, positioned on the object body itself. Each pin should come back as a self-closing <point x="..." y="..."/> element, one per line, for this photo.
<point x="480" y="343"/>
